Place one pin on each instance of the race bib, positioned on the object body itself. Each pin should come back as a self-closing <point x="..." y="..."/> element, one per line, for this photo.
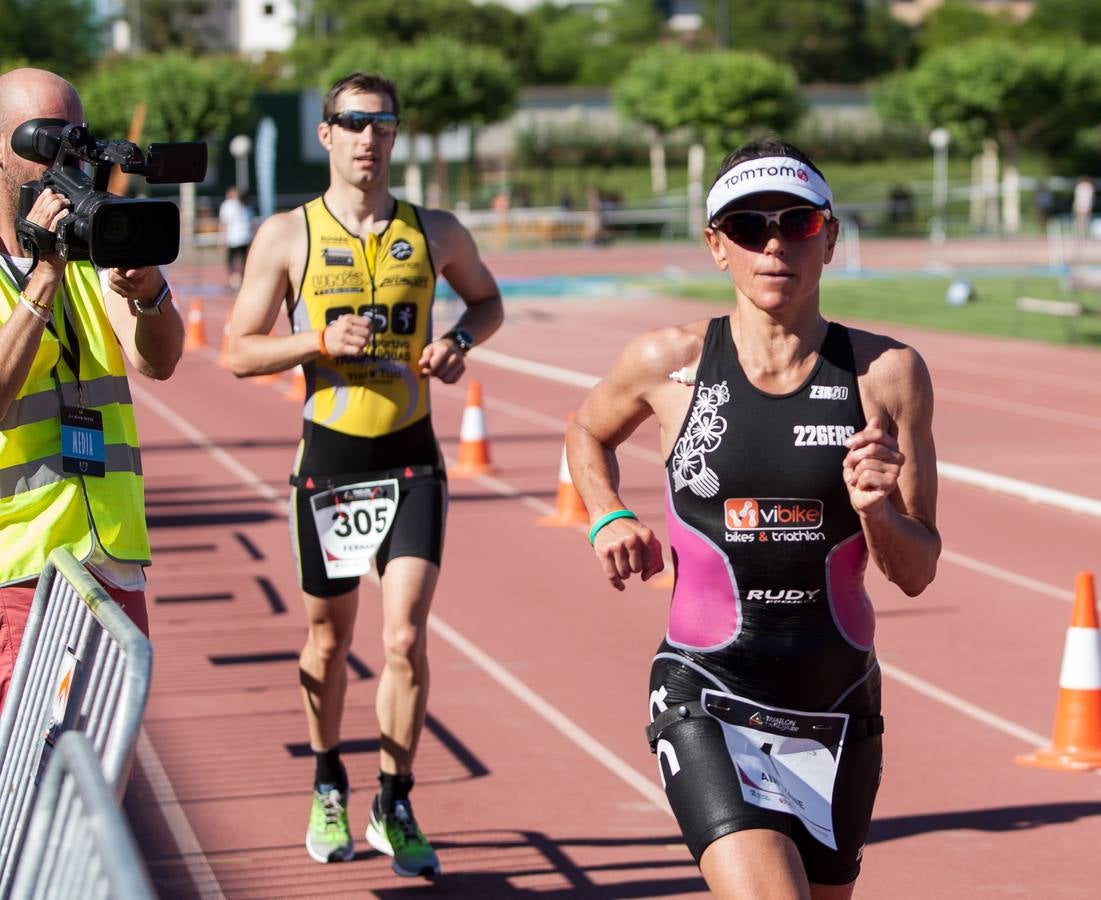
<point x="786" y="760"/>
<point x="352" y="522"/>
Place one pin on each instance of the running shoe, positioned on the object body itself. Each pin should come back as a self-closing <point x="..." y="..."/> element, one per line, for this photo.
<point x="328" y="838"/>
<point x="397" y="835"/>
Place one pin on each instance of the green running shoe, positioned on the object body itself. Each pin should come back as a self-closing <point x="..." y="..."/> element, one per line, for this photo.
<point x="328" y="838"/>
<point x="398" y="835"/>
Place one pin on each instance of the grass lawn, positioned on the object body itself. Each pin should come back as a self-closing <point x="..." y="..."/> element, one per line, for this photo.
<point x="920" y="300"/>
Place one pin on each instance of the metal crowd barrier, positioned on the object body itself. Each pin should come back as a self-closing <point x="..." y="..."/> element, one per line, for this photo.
<point x="82" y="666"/>
<point x="78" y="843"/>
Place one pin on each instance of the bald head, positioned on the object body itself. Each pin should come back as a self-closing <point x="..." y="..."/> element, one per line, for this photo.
<point x="36" y="93"/>
<point x="28" y="94"/>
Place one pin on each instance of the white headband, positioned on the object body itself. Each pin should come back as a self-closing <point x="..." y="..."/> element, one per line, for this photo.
<point x="780" y="174"/>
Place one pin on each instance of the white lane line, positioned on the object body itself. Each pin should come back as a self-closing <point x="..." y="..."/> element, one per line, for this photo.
<point x="963" y="706"/>
<point x="545" y="710"/>
<point x="1036" y="377"/>
<point x="1000" y="574"/>
<point x="552" y="424"/>
<point x="950" y="471"/>
<point x="985" y="401"/>
<point x="524" y="414"/>
<point x="1023" y="490"/>
<point x="564" y="725"/>
<point x="538" y="369"/>
<point x="191" y="852"/>
<point x="199" y="439"/>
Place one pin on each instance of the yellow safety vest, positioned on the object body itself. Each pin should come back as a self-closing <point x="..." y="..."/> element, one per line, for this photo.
<point x="41" y="505"/>
<point x="380" y="391"/>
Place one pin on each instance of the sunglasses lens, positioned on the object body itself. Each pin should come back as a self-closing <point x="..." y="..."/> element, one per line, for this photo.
<point x="800" y="224"/>
<point x="751" y="229"/>
<point x="354" y="120"/>
<point x="384" y="124"/>
<point x="747" y="229"/>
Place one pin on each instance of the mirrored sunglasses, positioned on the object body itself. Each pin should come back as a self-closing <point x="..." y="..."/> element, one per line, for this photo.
<point x="749" y="228"/>
<point x="357" y="120"/>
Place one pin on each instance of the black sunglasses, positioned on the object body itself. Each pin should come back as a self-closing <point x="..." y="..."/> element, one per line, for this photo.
<point x="357" y="120"/>
<point x="749" y="228"/>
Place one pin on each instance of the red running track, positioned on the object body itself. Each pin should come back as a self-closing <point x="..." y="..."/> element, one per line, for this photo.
<point x="533" y="776"/>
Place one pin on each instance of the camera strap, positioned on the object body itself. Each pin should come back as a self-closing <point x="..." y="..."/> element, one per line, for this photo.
<point x="35" y="239"/>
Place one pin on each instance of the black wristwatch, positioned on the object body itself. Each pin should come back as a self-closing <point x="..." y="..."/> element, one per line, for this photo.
<point x="463" y="338"/>
<point x="153" y="308"/>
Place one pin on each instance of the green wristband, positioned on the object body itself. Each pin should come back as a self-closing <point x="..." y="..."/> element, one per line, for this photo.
<point x="609" y="517"/>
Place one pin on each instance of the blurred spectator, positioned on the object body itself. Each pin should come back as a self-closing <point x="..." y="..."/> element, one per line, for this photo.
<point x="1082" y="206"/>
<point x="500" y="204"/>
<point x="596" y="234"/>
<point x="236" y="221"/>
<point x="900" y="205"/>
<point x="1044" y="202"/>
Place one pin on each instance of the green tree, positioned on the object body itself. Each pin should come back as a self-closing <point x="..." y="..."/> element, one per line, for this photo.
<point x="298" y="66"/>
<point x="402" y="22"/>
<point x="957" y="22"/>
<point x="722" y="97"/>
<point x="60" y="35"/>
<point x="160" y="26"/>
<point x="1074" y="19"/>
<point x="186" y="98"/>
<point x="841" y="41"/>
<point x="550" y="44"/>
<point x="589" y="45"/>
<point x="441" y="82"/>
<point x="1036" y="96"/>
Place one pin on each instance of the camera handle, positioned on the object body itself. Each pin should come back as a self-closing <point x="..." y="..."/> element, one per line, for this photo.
<point x="35" y="239"/>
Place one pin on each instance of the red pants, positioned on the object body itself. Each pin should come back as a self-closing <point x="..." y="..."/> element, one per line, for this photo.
<point x="15" y="609"/>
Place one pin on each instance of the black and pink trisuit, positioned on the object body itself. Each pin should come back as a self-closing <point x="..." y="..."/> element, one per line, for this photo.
<point x="765" y="692"/>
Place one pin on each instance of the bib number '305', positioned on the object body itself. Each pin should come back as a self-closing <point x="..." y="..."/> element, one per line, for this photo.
<point x="352" y="522"/>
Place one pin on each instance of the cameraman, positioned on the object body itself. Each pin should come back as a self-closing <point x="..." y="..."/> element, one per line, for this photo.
<point x="61" y="321"/>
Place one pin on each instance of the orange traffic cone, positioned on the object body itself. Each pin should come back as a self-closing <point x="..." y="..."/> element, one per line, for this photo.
<point x="195" y="336"/>
<point x="297" y="389"/>
<point x="473" y="443"/>
<point x="568" y="506"/>
<point x="1076" y="744"/>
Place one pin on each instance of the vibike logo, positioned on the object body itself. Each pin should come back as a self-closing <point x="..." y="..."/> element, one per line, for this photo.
<point x="829" y="392"/>
<point x="770" y="514"/>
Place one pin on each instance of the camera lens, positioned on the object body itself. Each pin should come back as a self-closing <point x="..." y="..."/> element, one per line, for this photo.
<point x="115" y="227"/>
<point x="135" y="233"/>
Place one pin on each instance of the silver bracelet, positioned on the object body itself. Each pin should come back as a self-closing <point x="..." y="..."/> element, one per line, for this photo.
<point x="35" y="308"/>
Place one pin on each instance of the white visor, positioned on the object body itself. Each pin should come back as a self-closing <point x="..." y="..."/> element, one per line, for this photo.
<point x="771" y="174"/>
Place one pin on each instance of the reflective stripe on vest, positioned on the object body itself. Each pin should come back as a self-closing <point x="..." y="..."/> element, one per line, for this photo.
<point x="30" y="476"/>
<point x="41" y="506"/>
<point x="42" y="406"/>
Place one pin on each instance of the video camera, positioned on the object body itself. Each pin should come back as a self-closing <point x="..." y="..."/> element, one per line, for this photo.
<point x="111" y="231"/>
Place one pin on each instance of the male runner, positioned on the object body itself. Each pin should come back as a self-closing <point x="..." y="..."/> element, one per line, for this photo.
<point x="357" y="270"/>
